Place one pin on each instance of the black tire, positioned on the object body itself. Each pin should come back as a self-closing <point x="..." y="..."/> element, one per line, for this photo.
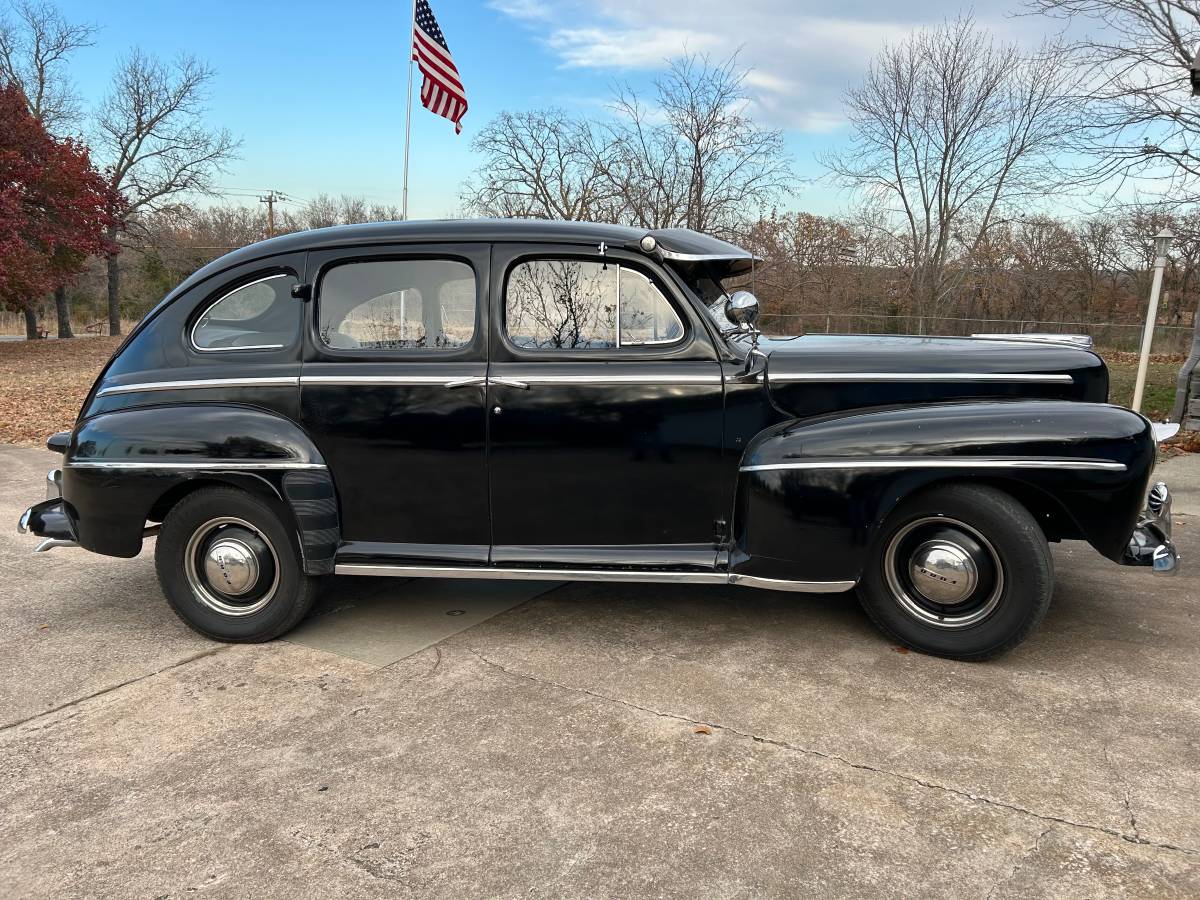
<point x="1009" y="566"/>
<point x="281" y="594"/>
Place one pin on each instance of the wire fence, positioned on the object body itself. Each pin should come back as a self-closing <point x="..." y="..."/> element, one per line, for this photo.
<point x="1168" y="339"/>
<point x="1174" y="340"/>
<point x="13" y="325"/>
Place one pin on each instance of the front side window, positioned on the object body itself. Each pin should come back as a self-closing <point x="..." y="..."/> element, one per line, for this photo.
<point x="398" y="304"/>
<point x="566" y="304"/>
<point x="258" y="315"/>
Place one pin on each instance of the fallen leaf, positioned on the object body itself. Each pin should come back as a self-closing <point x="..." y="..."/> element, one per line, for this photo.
<point x="702" y="729"/>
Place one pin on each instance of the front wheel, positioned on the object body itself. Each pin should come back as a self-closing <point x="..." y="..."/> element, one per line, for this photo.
<point x="229" y="567"/>
<point x="961" y="571"/>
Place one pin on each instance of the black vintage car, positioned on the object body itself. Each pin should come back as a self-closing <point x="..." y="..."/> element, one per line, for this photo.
<point x="544" y="400"/>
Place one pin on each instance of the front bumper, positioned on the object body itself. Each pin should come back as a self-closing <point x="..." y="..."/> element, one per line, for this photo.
<point x="1150" y="544"/>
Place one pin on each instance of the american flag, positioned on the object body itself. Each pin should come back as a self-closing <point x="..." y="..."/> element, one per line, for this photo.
<point x="441" y="91"/>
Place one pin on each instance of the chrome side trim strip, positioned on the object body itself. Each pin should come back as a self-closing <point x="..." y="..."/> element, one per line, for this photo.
<point x="648" y="378"/>
<point x="399" y="380"/>
<point x="503" y="381"/>
<point x="191" y="464"/>
<point x="403" y="571"/>
<point x="780" y="584"/>
<point x="629" y="575"/>
<point x="942" y="462"/>
<point x="198" y="383"/>
<point x="1022" y="377"/>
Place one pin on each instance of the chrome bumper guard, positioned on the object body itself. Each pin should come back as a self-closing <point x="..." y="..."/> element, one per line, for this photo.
<point x="1150" y="544"/>
<point x="49" y="519"/>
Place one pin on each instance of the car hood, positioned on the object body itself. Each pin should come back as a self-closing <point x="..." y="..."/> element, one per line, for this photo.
<point x="822" y="373"/>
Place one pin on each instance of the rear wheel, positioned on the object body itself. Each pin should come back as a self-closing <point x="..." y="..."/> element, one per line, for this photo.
<point x="961" y="571"/>
<point x="229" y="567"/>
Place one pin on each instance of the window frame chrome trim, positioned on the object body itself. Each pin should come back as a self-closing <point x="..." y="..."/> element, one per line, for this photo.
<point x="865" y="377"/>
<point x="191" y="464"/>
<point x="230" y="293"/>
<point x="620" y="264"/>
<point x="942" y="462"/>
<point x="650" y="281"/>
<point x="402" y="254"/>
<point x="199" y="384"/>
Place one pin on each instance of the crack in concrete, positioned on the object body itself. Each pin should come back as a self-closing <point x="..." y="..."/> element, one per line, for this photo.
<point x="833" y="757"/>
<point x="1132" y="818"/>
<point x="113" y="687"/>
<point x="1029" y="854"/>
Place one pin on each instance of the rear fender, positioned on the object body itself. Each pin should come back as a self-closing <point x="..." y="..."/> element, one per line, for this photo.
<point x="813" y="494"/>
<point x="126" y="467"/>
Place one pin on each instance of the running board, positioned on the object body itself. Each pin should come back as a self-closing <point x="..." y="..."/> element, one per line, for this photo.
<point x="634" y="575"/>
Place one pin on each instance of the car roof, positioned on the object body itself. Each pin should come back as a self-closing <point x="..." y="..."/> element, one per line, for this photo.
<point x="678" y="245"/>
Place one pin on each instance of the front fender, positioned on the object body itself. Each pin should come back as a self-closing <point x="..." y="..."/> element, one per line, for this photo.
<point x="122" y="467"/>
<point x="813" y="494"/>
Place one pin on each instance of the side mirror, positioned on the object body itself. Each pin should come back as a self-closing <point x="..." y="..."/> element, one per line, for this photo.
<point x="742" y="310"/>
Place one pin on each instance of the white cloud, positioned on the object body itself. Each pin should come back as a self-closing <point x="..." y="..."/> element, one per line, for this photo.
<point x="522" y="9"/>
<point x="800" y="58"/>
<point x="597" y="48"/>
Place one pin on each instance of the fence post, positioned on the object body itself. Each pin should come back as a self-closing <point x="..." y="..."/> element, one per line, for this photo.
<point x="1183" y="394"/>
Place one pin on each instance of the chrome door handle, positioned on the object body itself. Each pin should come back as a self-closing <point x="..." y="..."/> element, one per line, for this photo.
<point x="509" y="382"/>
<point x="465" y="382"/>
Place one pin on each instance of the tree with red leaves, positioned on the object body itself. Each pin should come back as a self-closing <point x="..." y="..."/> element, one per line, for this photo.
<point x="54" y="208"/>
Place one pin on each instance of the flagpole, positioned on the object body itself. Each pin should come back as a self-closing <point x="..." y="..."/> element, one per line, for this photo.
<point x="408" y="111"/>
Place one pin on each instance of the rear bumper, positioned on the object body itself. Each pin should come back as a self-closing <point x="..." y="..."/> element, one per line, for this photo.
<point x="1150" y="544"/>
<point x="50" y="519"/>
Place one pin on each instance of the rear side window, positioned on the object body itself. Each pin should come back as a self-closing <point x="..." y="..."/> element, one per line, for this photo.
<point x="398" y="304"/>
<point x="257" y="315"/>
<point x="566" y="304"/>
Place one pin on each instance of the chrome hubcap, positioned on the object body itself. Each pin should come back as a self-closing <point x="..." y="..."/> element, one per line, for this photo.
<point x="231" y="566"/>
<point x="943" y="572"/>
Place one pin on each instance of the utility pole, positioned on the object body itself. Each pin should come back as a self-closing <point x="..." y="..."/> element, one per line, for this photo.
<point x="271" y="199"/>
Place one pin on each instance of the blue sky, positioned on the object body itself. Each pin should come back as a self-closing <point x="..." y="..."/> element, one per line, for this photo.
<point x="316" y="90"/>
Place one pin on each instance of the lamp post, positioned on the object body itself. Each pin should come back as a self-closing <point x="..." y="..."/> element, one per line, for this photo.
<point x="1162" y="243"/>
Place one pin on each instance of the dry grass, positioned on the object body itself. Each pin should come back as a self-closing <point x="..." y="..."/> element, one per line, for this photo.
<point x="43" y="383"/>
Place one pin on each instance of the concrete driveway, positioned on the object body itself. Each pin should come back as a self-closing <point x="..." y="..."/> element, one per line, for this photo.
<point x="614" y="740"/>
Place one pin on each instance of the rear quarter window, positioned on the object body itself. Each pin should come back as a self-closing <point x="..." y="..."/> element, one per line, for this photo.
<point x="258" y="314"/>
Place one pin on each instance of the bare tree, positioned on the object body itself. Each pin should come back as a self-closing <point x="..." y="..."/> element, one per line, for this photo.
<point x="36" y="43"/>
<point x="324" y="211"/>
<point x="951" y="126"/>
<point x="150" y="130"/>
<point x="1132" y="75"/>
<point x="689" y="157"/>
<point x="540" y="164"/>
<point x="695" y="159"/>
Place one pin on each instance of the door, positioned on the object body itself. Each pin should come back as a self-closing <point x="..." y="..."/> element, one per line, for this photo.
<point x="605" y="404"/>
<point x="392" y="392"/>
